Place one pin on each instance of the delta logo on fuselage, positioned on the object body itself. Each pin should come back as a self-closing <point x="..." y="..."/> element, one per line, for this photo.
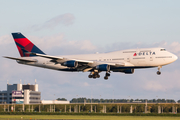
<point x="144" y="53"/>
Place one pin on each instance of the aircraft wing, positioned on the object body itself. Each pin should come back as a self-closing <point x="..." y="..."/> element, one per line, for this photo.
<point x="57" y="59"/>
<point x="82" y="64"/>
<point x="46" y="56"/>
<point x="20" y="59"/>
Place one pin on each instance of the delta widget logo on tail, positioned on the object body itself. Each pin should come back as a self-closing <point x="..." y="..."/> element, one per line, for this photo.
<point x="24" y="45"/>
<point x="144" y="53"/>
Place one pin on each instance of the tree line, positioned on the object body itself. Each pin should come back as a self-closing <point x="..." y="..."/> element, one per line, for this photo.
<point x="89" y="100"/>
<point x="110" y="108"/>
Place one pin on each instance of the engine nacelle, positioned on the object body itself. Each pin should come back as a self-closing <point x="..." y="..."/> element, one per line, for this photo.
<point x="70" y="63"/>
<point x="129" y="71"/>
<point x="103" y="67"/>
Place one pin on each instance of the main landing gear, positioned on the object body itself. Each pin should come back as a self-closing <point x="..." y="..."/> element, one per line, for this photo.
<point x="159" y="72"/>
<point x="95" y="74"/>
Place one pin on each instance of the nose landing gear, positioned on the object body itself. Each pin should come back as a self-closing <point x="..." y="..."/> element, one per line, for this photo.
<point x="159" y="72"/>
<point x="106" y="75"/>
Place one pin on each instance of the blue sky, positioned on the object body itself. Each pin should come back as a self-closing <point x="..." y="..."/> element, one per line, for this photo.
<point x="73" y="27"/>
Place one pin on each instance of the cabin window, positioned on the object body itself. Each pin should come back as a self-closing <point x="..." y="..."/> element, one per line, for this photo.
<point x="163" y="50"/>
<point x="139" y="58"/>
<point x="164" y="57"/>
<point x="118" y="59"/>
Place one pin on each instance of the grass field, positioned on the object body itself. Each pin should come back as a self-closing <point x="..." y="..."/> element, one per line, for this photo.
<point x="88" y="117"/>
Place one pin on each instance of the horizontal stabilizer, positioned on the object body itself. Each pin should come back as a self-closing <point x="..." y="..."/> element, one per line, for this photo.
<point x="20" y="59"/>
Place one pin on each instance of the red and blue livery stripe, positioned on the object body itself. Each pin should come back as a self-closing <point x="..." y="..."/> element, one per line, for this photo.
<point x="24" y="45"/>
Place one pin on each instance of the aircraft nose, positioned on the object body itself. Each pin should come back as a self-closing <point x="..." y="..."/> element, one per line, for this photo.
<point x="175" y="57"/>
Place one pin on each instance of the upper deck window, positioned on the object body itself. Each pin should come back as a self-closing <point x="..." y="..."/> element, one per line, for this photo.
<point x="163" y="50"/>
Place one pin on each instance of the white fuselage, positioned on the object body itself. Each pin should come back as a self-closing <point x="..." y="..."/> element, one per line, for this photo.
<point x="132" y="58"/>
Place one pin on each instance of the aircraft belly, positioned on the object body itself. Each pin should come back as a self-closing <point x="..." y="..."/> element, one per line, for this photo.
<point x="142" y="63"/>
<point x="130" y="67"/>
<point x="158" y="62"/>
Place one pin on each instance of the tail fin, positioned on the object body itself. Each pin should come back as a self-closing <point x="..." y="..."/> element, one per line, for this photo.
<point x="24" y="45"/>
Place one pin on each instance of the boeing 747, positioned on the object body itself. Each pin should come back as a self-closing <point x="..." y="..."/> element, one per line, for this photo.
<point x="125" y="61"/>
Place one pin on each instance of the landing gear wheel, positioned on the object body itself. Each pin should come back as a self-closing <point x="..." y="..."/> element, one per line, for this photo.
<point x="98" y="76"/>
<point x="107" y="74"/>
<point x="90" y="76"/>
<point x="94" y="76"/>
<point x="158" y="72"/>
<point x="106" y="77"/>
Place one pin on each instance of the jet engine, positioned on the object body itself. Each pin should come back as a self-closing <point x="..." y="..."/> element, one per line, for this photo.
<point x="129" y="71"/>
<point x="70" y="63"/>
<point x="103" y="67"/>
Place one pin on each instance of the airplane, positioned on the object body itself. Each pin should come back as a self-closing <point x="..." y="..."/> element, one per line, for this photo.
<point x="125" y="61"/>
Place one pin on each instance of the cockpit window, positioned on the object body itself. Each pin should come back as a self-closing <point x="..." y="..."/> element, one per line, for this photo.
<point x="163" y="50"/>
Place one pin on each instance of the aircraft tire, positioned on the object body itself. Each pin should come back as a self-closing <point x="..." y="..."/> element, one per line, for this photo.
<point x="158" y="72"/>
<point x="98" y="76"/>
<point x="107" y="74"/>
<point x="90" y="76"/>
<point x="94" y="76"/>
<point x="106" y="77"/>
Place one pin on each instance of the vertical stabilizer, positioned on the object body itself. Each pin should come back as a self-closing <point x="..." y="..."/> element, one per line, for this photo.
<point x="24" y="45"/>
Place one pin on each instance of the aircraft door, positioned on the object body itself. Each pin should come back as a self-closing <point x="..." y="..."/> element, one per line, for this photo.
<point x="128" y="59"/>
<point x="151" y="58"/>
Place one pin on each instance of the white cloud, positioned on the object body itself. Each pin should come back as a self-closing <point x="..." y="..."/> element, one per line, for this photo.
<point x="147" y="80"/>
<point x="5" y="39"/>
<point x="64" y="19"/>
<point x="48" y="42"/>
<point x="59" y="45"/>
<point x="171" y="47"/>
<point x="85" y="84"/>
<point x="82" y="45"/>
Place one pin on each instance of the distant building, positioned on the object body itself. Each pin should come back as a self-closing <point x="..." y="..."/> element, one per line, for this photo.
<point x="54" y="102"/>
<point x="21" y="94"/>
